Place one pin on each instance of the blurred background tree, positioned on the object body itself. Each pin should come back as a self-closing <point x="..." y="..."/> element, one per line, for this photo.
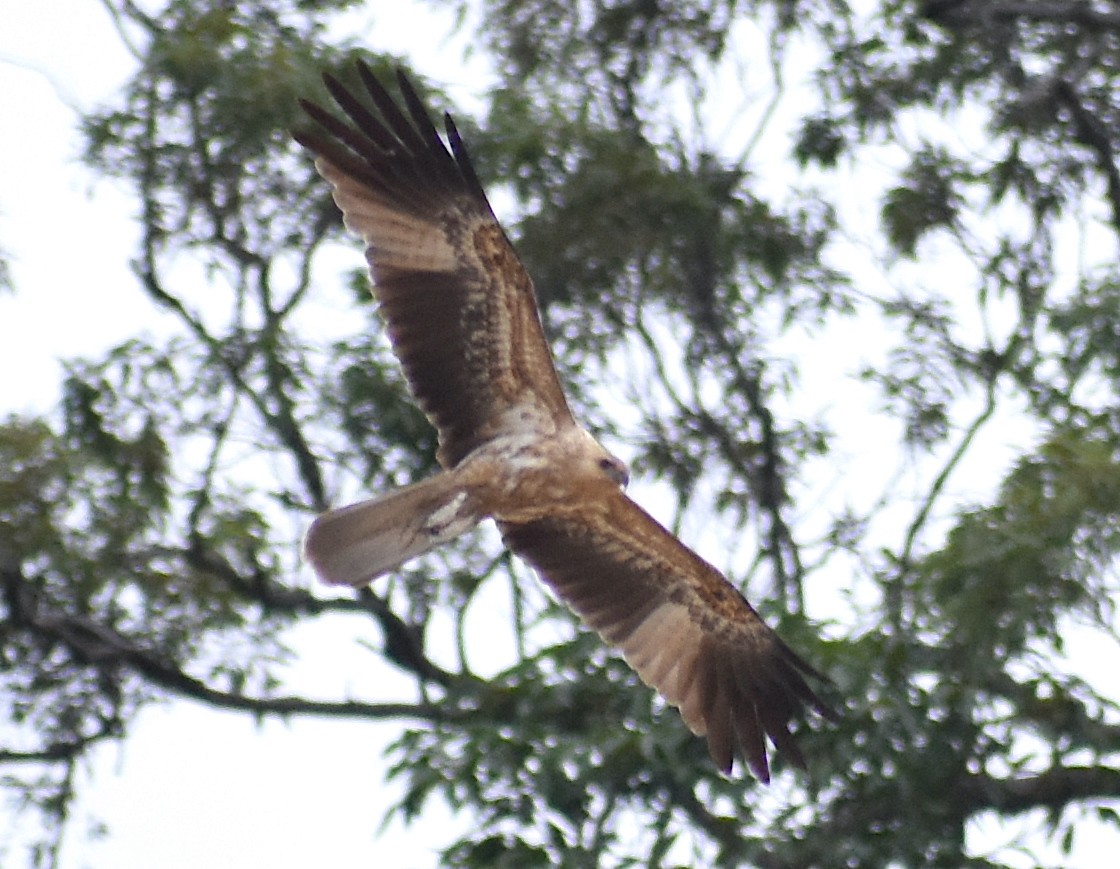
<point x="840" y="284"/>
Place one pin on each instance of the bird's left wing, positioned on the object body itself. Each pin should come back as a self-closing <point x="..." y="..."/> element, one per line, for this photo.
<point x="680" y="624"/>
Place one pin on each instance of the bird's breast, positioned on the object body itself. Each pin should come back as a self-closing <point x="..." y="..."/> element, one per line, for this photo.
<point x="521" y="478"/>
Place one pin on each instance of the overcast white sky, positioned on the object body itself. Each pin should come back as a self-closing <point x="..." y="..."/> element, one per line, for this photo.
<point x="190" y="786"/>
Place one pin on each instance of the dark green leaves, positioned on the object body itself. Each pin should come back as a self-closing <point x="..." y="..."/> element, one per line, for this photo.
<point x="926" y="199"/>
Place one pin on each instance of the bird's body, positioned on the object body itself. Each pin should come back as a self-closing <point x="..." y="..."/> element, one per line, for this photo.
<point x="514" y="478"/>
<point x="462" y="316"/>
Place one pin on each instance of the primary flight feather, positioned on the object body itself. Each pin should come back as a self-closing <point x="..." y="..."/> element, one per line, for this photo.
<point x="462" y="317"/>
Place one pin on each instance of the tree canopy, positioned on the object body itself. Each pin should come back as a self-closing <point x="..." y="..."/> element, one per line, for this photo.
<point x="840" y="283"/>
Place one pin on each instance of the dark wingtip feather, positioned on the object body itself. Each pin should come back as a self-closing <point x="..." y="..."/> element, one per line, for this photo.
<point x="462" y="156"/>
<point x="759" y="766"/>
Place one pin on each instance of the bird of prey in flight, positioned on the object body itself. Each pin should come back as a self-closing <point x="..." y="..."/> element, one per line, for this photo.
<point x="462" y="317"/>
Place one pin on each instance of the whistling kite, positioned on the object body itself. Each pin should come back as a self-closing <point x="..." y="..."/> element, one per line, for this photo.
<point x="462" y="317"/>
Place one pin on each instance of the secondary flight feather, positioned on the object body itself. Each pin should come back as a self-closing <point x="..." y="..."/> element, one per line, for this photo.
<point x="462" y="317"/>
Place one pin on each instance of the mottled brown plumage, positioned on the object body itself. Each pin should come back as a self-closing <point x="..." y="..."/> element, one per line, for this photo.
<point x="462" y="317"/>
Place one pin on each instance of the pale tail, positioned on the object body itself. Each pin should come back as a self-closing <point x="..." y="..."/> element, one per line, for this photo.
<point x="356" y="544"/>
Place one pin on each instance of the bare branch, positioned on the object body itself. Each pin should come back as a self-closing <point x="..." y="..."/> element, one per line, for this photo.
<point x="950" y="12"/>
<point x="100" y="646"/>
<point x="1054" y="789"/>
<point x="403" y="641"/>
<point x="1094" y="135"/>
<point x="951" y="464"/>
<point x="51" y="753"/>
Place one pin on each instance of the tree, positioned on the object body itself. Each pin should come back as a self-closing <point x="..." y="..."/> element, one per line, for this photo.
<point x="149" y="530"/>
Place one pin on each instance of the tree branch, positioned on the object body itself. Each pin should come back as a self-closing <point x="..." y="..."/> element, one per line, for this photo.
<point x="281" y="421"/>
<point x="104" y="648"/>
<point x="64" y="750"/>
<point x="1053" y="789"/>
<point x="949" y="12"/>
<point x="1095" y="136"/>
<point x="906" y="556"/>
<point x="403" y="641"/>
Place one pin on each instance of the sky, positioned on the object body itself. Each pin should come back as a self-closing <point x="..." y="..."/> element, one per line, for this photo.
<point x="189" y="786"/>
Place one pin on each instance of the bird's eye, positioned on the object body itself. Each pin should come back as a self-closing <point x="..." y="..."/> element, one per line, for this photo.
<point x="616" y="470"/>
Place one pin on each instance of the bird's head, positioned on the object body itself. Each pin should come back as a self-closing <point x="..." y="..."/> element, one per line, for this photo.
<point x="592" y="452"/>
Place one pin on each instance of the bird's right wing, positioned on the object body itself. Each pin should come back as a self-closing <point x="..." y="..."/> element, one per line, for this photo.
<point x="460" y="307"/>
